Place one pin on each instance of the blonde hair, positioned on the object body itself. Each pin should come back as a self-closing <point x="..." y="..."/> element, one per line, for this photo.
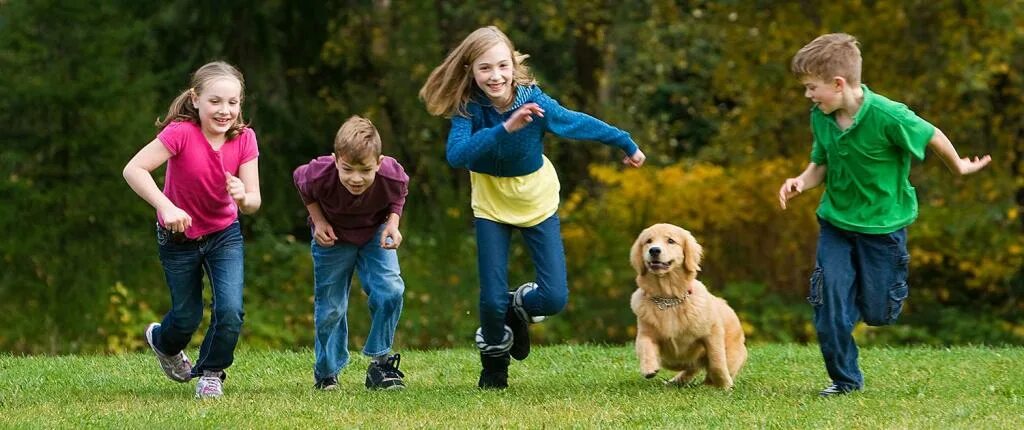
<point x="182" y="109"/>
<point x="450" y="85"/>
<point x="357" y="140"/>
<point x="829" y="55"/>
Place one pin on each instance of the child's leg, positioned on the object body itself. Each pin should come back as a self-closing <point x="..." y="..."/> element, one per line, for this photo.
<point x="223" y="263"/>
<point x="332" y="277"/>
<point x="882" y="262"/>
<point x="381" y="280"/>
<point x="835" y="312"/>
<point x="492" y="243"/>
<point x="544" y="241"/>
<point x="183" y="271"/>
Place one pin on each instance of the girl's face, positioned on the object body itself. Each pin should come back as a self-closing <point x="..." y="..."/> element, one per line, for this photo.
<point x="492" y="72"/>
<point x="827" y="95"/>
<point x="357" y="175"/>
<point x="219" y="105"/>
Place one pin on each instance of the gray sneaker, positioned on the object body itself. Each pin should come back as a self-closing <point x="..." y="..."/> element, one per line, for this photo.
<point x="177" y="367"/>
<point x="209" y="385"/>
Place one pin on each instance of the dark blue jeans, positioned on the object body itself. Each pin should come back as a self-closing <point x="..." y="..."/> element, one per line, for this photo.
<point x="544" y="242"/>
<point x="857" y="277"/>
<point x="220" y="255"/>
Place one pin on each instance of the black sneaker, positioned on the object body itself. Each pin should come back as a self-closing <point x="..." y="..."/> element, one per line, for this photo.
<point x="329" y="383"/>
<point x="385" y="376"/>
<point x="836" y="390"/>
<point x="494" y="375"/>
<point x="520" y="331"/>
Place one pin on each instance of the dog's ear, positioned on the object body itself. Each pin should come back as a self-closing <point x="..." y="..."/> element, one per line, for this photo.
<point x="694" y="252"/>
<point x="636" y="256"/>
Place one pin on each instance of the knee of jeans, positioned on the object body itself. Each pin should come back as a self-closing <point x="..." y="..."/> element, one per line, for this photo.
<point x="390" y="296"/>
<point x="552" y="301"/>
<point x="229" y="316"/>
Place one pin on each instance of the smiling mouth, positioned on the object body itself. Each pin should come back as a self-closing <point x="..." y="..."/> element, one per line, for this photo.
<point x="656" y="266"/>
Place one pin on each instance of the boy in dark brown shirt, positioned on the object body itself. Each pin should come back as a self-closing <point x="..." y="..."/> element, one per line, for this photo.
<point x="355" y="199"/>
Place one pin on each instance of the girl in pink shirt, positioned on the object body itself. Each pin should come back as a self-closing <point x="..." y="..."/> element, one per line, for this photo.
<point x="211" y="175"/>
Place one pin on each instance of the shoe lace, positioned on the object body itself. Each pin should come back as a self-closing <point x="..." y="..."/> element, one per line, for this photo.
<point x="211" y="384"/>
<point x="390" y="366"/>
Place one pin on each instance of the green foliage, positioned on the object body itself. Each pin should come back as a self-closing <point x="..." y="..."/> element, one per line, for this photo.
<point x="702" y="86"/>
<point x="568" y="386"/>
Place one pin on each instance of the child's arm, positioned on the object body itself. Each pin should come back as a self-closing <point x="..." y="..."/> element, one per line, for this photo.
<point x="245" y="189"/>
<point x="137" y="174"/>
<point x="391" y="232"/>
<point x="812" y="176"/>
<point x="465" y="146"/>
<point x="581" y="126"/>
<point x="323" y="233"/>
<point x="941" y="145"/>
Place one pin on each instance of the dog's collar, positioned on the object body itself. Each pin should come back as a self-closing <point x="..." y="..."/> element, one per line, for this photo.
<point x="667" y="302"/>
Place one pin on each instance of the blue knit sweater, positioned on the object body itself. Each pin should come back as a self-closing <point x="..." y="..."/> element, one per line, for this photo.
<point x="481" y="144"/>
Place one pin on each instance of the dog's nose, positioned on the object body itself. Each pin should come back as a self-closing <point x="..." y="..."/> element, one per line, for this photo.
<point x="654" y="251"/>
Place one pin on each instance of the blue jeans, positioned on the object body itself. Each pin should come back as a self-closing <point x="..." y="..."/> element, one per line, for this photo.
<point x="857" y="276"/>
<point x="221" y="256"/>
<point x="382" y="282"/>
<point x="544" y="241"/>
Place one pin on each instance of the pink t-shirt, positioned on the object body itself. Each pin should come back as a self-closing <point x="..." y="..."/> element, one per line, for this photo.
<point x="195" y="180"/>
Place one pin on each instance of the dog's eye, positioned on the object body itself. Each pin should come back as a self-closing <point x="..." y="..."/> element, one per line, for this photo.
<point x="649" y="240"/>
<point x="671" y="241"/>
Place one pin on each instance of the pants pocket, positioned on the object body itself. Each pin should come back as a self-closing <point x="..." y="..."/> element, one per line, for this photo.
<point x="900" y="290"/>
<point x="816" y="281"/>
<point x="897" y="295"/>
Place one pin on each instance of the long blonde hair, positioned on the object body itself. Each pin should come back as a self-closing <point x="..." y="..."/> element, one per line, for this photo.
<point x="181" y="108"/>
<point x="450" y="85"/>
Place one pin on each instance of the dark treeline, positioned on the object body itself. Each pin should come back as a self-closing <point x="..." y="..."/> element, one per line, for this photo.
<point x="703" y="86"/>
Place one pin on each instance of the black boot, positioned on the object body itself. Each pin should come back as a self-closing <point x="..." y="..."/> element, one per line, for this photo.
<point x="494" y="374"/>
<point x="520" y="330"/>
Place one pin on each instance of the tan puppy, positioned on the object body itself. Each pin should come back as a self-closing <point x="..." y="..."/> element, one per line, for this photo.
<point x="679" y="324"/>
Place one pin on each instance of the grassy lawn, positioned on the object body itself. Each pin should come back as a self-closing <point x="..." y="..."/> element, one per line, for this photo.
<point x="557" y="387"/>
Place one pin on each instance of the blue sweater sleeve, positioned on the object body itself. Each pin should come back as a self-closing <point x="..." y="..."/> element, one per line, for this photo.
<point x="578" y="125"/>
<point x="466" y="147"/>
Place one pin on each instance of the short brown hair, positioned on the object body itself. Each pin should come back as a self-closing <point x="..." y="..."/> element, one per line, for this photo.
<point x="829" y="55"/>
<point x="357" y="139"/>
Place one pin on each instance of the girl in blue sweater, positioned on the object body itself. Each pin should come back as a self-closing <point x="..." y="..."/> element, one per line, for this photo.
<point x="498" y="119"/>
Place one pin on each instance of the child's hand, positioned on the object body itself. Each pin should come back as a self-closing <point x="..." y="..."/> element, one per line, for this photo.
<point x="635" y="160"/>
<point x="390" y="238"/>
<point x="175" y="219"/>
<point x="324" y="234"/>
<point x="522" y="117"/>
<point x="235" y="187"/>
<point x="970" y="165"/>
<point x="791" y="188"/>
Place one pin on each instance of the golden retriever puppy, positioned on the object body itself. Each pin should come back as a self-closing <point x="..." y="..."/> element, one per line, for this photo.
<point x="679" y="325"/>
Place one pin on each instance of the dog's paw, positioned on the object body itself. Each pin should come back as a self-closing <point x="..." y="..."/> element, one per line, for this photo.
<point x="651" y="374"/>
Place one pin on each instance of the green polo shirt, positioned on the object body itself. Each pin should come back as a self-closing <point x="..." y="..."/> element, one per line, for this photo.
<point x="867" y="184"/>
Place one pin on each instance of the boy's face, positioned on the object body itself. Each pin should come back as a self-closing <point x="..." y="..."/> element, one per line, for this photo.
<point x="357" y="175"/>
<point x="492" y="72"/>
<point x="828" y="95"/>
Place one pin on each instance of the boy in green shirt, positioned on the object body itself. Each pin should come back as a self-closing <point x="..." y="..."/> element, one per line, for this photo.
<point x="863" y="143"/>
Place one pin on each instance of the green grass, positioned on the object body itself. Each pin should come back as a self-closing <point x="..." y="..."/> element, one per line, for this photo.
<point x="557" y="387"/>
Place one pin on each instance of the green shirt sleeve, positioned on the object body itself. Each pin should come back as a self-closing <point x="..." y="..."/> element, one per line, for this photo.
<point x="910" y="132"/>
<point x="818" y="154"/>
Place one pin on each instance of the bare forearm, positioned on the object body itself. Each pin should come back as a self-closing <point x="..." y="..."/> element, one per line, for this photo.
<point x="251" y="203"/>
<point x="812" y="176"/>
<point x="141" y="181"/>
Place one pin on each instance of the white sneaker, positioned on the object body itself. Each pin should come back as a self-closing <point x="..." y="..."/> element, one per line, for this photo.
<point x="177" y="367"/>
<point x="209" y="385"/>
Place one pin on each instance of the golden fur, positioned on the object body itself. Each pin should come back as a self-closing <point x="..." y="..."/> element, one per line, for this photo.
<point x="699" y="333"/>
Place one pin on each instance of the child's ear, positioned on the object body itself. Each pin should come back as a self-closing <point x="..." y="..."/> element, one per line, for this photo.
<point x="380" y="159"/>
<point x="838" y="83"/>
